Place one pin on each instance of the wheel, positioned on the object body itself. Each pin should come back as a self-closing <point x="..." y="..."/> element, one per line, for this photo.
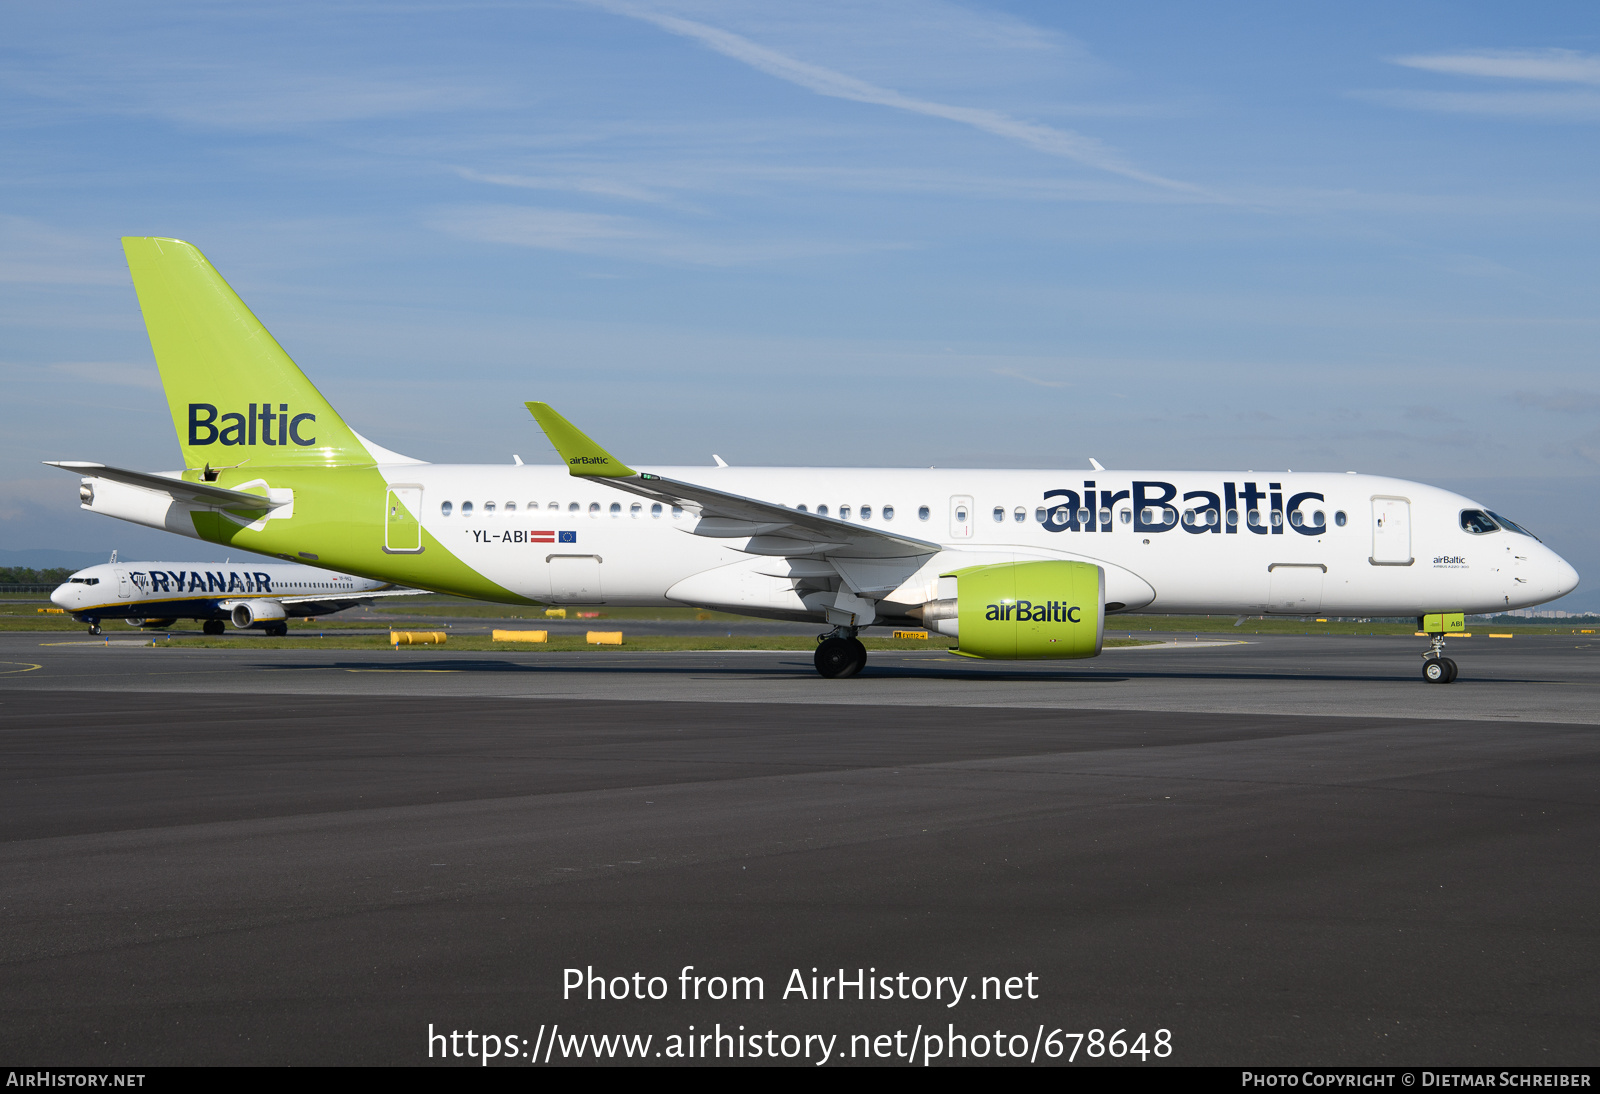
<point x="94" y="628"/>
<point x="1436" y="670"/>
<point x="838" y="658"/>
<point x="277" y="630"/>
<point x="1451" y="667"/>
<point x="213" y="626"/>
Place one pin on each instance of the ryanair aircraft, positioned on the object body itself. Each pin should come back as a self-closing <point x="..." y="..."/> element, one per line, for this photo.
<point x="263" y="596"/>
<point x="1013" y="564"/>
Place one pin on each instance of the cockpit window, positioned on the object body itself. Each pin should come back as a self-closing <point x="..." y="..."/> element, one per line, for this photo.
<point x="1477" y="522"/>
<point x="1511" y="527"/>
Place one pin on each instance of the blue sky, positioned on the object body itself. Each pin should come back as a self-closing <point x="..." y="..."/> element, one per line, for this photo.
<point x="1164" y="235"/>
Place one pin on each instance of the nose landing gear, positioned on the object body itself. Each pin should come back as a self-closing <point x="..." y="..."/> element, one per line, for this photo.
<point x="1436" y="667"/>
<point x="840" y="654"/>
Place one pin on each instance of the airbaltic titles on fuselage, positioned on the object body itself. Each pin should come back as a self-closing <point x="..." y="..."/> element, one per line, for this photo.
<point x="1090" y="511"/>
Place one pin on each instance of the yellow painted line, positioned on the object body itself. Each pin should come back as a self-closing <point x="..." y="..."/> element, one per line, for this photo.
<point x="28" y="666"/>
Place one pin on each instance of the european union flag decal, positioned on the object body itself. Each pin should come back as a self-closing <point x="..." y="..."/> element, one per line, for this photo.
<point x="569" y="537"/>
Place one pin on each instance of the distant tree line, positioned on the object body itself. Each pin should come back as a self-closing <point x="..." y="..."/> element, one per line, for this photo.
<point x="21" y="575"/>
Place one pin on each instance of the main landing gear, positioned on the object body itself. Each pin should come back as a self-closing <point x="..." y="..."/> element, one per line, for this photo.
<point x="1437" y="668"/>
<point x="94" y="628"/>
<point x="213" y="626"/>
<point x="840" y="653"/>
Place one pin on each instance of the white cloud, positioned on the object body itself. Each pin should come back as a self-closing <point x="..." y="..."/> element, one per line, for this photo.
<point x="240" y="97"/>
<point x="1546" y="65"/>
<point x="1545" y="106"/>
<point x="824" y="81"/>
<point x="621" y="237"/>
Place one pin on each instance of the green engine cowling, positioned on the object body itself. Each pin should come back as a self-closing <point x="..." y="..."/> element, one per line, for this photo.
<point x="1022" y="610"/>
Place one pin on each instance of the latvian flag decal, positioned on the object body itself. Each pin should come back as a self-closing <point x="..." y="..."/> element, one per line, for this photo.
<point x="541" y="537"/>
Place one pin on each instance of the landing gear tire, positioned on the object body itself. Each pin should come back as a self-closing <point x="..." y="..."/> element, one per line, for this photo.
<point x="94" y="628"/>
<point x="277" y="630"/>
<point x="213" y="626"/>
<point x="1451" y="665"/>
<point x="1438" y="670"/>
<point x="839" y="658"/>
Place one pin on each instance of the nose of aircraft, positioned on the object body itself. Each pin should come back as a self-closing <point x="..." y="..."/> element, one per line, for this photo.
<point x="59" y="597"/>
<point x="1561" y="575"/>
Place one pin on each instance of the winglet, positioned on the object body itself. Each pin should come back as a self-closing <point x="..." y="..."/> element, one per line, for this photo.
<point x="584" y="458"/>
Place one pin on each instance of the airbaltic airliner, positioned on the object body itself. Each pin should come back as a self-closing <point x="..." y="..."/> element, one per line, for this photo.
<point x="263" y="596"/>
<point x="1012" y="564"/>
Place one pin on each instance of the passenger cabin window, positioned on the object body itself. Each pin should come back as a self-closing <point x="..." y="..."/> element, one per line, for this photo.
<point x="1477" y="522"/>
<point x="802" y="508"/>
<point x="655" y="511"/>
<point x="488" y="507"/>
<point x="1339" y="518"/>
<point x="446" y="508"/>
<point x="1127" y="516"/>
<point x="677" y="511"/>
<point x="616" y="509"/>
<point x="466" y="508"/>
<point x="822" y="510"/>
<point x="594" y="509"/>
<point x="844" y="512"/>
<point x="888" y="512"/>
<point x="999" y="513"/>
<point x="635" y="509"/>
<point x="572" y="508"/>
<point x="511" y="507"/>
<point x="1019" y="514"/>
<point x="923" y="512"/>
<point x="554" y="506"/>
<point x="866" y="512"/>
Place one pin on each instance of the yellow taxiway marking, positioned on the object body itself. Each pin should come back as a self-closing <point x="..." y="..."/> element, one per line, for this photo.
<point x="27" y="666"/>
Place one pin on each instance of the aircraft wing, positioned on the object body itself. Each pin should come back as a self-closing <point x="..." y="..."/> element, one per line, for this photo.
<point x="192" y="493"/>
<point x="347" y="601"/>
<point x="773" y="529"/>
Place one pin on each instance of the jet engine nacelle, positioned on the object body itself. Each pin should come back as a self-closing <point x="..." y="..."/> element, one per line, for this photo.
<point x="248" y="612"/>
<point x="1022" y="610"/>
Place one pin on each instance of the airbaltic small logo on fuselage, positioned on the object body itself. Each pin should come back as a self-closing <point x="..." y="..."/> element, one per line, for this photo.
<point x="272" y="427"/>
<point x="1026" y="611"/>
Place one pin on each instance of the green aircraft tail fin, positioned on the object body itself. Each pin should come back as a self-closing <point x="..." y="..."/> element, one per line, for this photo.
<point x="235" y="395"/>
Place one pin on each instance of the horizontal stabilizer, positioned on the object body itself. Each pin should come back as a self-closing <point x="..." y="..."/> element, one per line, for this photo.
<point x="189" y="493"/>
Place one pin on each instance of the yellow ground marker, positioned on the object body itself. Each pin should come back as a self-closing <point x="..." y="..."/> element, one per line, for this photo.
<point x="51" y="611"/>
<point x="605" y="638"/>
<point x="555" y="613"/>
<point x="521" y="636"/>
<point x="1502" y="636"/>
<point x="416" y="638"/>
<point x="911" y="634"/>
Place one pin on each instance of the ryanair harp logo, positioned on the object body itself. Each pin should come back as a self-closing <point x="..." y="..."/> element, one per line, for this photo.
<point x="261" y="424"/>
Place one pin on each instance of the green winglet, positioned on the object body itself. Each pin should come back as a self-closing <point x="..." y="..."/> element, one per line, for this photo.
<point x="583" y="456"/>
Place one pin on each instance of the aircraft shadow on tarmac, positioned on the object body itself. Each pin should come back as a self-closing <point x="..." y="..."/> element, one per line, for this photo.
<point x="972" y="673"/>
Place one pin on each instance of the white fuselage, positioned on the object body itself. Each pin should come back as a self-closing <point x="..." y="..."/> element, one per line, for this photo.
<point x="1189" y="542"/>
<point x="200" y="590"/>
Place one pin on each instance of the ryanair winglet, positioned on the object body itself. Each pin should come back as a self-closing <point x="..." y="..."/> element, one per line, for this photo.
<point x="584" y="457"/>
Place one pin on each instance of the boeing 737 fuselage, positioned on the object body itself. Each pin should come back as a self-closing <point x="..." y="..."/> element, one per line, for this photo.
<point x="263" y="596"/>
<point x="1013" y="564"/>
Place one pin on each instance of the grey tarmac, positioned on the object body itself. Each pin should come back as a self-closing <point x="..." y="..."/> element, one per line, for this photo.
<point x="1288" y="851"/>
